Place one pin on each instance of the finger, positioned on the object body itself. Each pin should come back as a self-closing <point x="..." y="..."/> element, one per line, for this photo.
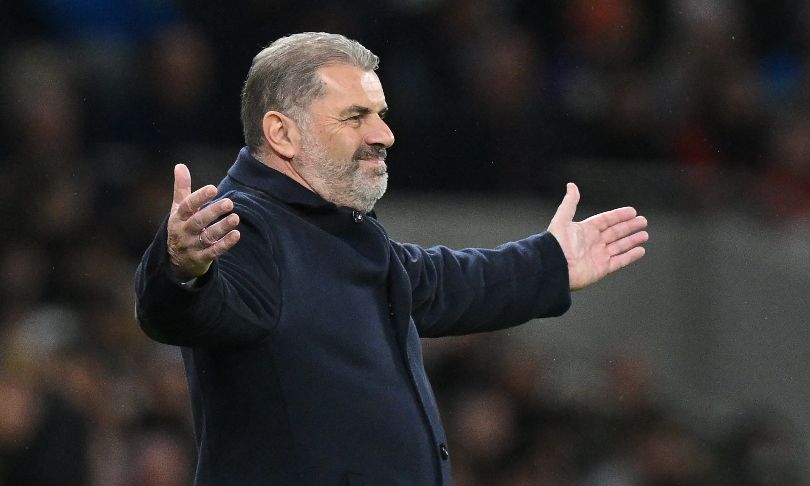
<point x="182" y="183"/>
<point x="222" y="245"/>
<point x="624" y="259"/>
<point x="627" y="243"/>
<point x="209" y="214"/>
<point x="191" y="204"/>
<point x="568" y="206"/>
<point x="620" y="230"/>
<point x="218" y="230"/>
<point x="607" y="219"/>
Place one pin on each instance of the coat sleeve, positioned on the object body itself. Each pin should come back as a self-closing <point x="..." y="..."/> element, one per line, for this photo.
<point x="236" y="303"/>
<point x="474" y="290"/>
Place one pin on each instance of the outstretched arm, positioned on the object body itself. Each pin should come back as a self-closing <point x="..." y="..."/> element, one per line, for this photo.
<point x="600" y="244"/>
<point x="237" y="301"/>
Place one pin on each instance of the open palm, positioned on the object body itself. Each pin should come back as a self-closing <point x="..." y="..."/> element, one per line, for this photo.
<point x="600" y="244"/>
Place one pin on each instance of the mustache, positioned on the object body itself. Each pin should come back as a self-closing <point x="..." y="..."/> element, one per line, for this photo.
<point x="371" y="152"/>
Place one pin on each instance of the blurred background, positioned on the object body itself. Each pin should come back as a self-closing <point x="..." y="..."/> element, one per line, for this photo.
<point x="689" y="369"/>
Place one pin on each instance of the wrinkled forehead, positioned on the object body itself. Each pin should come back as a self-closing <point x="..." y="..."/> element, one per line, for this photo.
<point x="351" y="84"/>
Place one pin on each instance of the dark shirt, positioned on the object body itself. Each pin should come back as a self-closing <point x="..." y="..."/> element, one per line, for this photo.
<point x="301" y="343"/>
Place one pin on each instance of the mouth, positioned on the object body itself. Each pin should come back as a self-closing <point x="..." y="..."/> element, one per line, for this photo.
<point x="374" y="161"/>
<point x="374" y="167"/>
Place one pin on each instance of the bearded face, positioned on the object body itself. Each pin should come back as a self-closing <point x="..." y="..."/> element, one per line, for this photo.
<point x="344" y="137"/>
<point x="357" y="181"/>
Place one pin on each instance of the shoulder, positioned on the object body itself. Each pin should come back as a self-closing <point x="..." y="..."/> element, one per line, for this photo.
<point x="249" y="203"/>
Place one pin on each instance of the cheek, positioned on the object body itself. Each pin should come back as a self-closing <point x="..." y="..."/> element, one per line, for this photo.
<point x="344" y="147"/>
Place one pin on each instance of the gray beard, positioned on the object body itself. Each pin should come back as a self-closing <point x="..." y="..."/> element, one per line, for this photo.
<point x="342" y="183"/>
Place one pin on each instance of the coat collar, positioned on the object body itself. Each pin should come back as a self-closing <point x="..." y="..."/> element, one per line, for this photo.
<point x="251" y="172"/>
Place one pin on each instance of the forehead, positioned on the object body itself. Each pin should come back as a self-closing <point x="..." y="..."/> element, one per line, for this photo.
<point x="349" y="85"/>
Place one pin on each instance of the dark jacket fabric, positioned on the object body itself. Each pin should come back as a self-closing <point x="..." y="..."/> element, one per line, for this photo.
<point x="301" y="344"/>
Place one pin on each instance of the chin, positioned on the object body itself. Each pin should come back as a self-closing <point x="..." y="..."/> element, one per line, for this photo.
<point x="367" y="203"/>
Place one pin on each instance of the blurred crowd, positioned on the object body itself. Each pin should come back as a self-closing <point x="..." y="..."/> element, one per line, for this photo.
<point x="100" y="99"/>
<point x="513" y="420"/>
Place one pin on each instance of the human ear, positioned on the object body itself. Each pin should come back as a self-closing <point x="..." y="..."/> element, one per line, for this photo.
<point x="281" y="134"/>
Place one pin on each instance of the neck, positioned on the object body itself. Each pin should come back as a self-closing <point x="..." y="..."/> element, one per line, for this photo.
<point x="284" y="166"/>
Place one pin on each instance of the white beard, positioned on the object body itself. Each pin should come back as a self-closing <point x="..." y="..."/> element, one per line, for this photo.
<point x="343" y="183"/>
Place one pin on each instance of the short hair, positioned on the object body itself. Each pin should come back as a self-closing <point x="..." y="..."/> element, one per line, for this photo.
<point x="283" y="77"/>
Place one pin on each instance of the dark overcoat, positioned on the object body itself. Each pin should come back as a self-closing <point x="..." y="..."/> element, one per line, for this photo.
<point x="301" y="344"/>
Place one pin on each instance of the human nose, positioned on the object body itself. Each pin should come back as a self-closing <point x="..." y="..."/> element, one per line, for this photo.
<point x="379" y="133"/>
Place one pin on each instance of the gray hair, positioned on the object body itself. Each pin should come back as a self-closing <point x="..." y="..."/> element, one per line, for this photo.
<point x="283" y="77"/>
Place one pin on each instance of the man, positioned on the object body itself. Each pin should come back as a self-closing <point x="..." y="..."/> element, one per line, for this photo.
<point x="300" y="319"/>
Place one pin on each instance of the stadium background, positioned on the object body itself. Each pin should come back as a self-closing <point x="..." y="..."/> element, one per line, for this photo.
<point x="689" y="369"/>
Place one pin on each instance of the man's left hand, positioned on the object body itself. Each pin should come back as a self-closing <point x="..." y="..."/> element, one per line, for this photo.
<point x="600" y="244"/>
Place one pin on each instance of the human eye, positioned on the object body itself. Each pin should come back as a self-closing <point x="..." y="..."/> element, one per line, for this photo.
<point x="355" y="119"/>
<point x="356" y="114"/>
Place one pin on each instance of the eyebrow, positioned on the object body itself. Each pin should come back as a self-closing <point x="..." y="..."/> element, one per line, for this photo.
<point x="361" y="110"/>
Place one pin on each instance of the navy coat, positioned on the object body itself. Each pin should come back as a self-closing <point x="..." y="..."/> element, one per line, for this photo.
<point x="301" y="344"/>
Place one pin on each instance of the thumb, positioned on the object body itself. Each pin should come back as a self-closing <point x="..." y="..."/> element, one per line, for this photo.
<point x="568" y="206"/>
<point x="182" y="183"/>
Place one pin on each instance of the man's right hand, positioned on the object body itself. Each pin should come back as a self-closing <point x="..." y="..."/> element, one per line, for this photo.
<point x="193" y="241"/>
